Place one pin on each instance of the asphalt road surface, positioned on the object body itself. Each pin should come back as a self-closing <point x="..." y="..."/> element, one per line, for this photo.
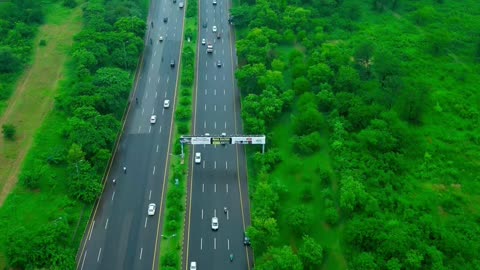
<point x="219" y="180"/>
<point x="120" y="234"/>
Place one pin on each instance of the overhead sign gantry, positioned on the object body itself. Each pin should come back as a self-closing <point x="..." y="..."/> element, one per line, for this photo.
<point x="223" y="139"/>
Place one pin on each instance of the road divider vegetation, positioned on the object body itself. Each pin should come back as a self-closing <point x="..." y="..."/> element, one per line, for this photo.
<point x="174" y="221"/>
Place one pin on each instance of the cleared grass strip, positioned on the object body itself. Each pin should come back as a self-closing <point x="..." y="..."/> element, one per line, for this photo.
<point x="34" y="96"/>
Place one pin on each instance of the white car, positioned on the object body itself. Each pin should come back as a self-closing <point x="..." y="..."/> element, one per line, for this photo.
<point x="203" y="41"/>
<point x="207" y="134"/>
<point x="193" y="266"/>
<point x="153" y="119"/>
<point x="180" y="4"/>
<point x="198" y="157"/>
<point x="214" y="223"/>
<point x="166" y="103"/>
<point x="160" y="39"/>
<point x="151" y="209"/>
<point x="214" y="29"/>
<point x="214" y="2"/>
<point x="224" y="134"/>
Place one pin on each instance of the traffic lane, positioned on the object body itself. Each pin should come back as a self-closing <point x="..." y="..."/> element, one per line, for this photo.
<point x="106" y="230"/>
<point x="230" y="230"/>
<point x="135" y="198"/>
<point x="206" y="204"/>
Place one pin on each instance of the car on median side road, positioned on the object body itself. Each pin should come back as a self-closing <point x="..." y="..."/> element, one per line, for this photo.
<point x="214" y="223"/>
<point x="180" y="5"/>
<point x="198" y="157"/>
<point x="193" y="266"/>
<point x="203" y="41"/>
<point x="151" y="209"/>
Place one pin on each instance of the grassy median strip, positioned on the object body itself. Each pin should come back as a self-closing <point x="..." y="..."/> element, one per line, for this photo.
<point x="173" y="226"/>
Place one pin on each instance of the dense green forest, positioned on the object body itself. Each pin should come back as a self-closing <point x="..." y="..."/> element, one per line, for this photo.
<point x="43" y="220"/>
<point x="19" y="20"/>
<point x="371" y="115"/>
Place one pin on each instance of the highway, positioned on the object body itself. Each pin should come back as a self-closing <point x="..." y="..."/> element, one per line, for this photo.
<point x="219" y="180"/>
<point x="120" y="234"/>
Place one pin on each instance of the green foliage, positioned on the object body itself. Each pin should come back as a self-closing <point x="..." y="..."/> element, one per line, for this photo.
<point x="311" y="253"/>
<point x="391" y="86"/>
<point x="307" y="144"/>
<point x="9" y="62"/>
<point x="281" y="259"/>
<point x="170" y="259"/>
<point x="9" y="131"/>
<point x="69" y="3"/>
<point x="42" y="247"/>
<point x="299" y="219"/>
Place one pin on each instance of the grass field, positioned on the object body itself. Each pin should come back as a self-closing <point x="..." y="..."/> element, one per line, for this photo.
<point x="28" y="109"/>
<point x="35" y="92"/>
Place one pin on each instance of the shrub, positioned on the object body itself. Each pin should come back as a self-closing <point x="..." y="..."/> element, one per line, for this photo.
<point x="9" y="131"/>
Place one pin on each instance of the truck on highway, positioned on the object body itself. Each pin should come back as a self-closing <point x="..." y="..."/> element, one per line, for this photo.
<point x="209" y="48"/>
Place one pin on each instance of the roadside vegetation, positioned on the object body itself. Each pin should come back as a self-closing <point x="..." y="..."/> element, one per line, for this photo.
<point x="174" y="222"/>
<point x="371" y="115"/>
<point x="43" y="219"/>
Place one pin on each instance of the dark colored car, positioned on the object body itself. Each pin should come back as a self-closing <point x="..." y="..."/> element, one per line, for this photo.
<point x="218" y="35"/>
<point x="246" y="240"/>
<point x="219" y="64"/>
<point x="165" y="20"/>
<point x="204" y="25"/>
<point x="172" y="63"/>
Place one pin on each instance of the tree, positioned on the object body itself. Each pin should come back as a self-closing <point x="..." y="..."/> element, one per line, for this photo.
<point x="424" y="15"/>
<point x="299" y="219"/>
<point x="272" y="78"/>
<point x="280" y="258"/>
<point x="364" y="261"/>
<point x="263" y="232"/>
<point x="363" y="57"/>
<point x="311" y="253"/>
<point x="378" y="137"/>
<point x="308" y="120"/>
<point x="266" y="199"/>
<point x="352" y="194"/>
<point x="413" y="102"/>
<point x="319" y="73"/>
<point x="133" y="25"/>
<point x="9" y="131"/>
<point x="242" y="14"/>
<point x="69" y="3"/>
<point x="438" y="40"/>
<point x="85" y="58"/>
<point x="248" y="77"/>
<point x="347" y="80"/>
<point x="307" y="144"/>
<point x="9" y="62"/>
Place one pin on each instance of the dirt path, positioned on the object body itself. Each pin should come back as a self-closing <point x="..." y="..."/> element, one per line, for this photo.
<point x="34" y="97"/>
